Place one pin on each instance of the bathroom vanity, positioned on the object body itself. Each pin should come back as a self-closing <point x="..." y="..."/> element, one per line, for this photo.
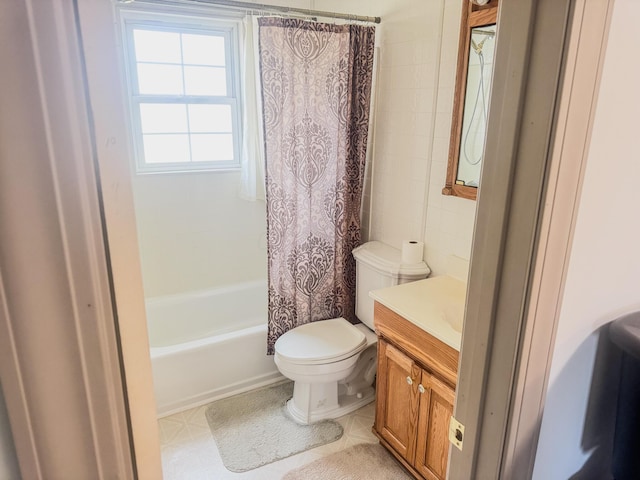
<point x="418" y="325"/>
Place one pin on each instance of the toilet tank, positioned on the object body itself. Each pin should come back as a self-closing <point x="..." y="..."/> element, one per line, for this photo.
<point x="379" y="265"/>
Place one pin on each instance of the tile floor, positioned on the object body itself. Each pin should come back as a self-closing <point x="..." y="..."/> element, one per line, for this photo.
<point x="189" y="452"/>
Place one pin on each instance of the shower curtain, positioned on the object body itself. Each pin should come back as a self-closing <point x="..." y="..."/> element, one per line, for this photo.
<point x="316" y="88"/>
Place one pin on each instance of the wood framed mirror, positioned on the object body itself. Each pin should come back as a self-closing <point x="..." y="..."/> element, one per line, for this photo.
<point x="471" y="100"/>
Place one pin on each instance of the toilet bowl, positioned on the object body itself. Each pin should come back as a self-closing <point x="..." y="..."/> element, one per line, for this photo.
<point x="333" y="362"/>
<point x="321" y="357"/>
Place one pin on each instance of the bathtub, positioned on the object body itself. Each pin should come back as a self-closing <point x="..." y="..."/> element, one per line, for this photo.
<point x="209" y="344"/>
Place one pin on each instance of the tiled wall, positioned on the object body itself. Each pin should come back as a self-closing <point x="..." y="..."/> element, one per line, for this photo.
<point x="418" y="51"/>
<point x="450" y="220"/>
<point x="419" y="45"/>
<point x="404" y="119"/>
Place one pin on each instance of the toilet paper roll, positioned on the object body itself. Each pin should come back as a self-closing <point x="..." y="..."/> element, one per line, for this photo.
<point x="412" y="251"/>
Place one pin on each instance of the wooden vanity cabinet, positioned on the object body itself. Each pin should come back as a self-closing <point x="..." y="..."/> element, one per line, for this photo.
<point x="415" y="394"/>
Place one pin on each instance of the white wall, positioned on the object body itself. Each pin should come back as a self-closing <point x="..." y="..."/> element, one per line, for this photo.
<point x="407" y="83"/>
<point x="8" y="462"/>
<point x="450" y="220"/>
<point x="603" y="274"/>
<point x="195" y="232"/>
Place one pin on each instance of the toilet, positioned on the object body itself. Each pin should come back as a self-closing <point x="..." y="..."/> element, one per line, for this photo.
<point x="332" y="362"/>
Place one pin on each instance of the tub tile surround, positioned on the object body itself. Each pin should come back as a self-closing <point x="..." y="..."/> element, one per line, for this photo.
<point x="189" y="452"/>
<point x="195" y="233"/>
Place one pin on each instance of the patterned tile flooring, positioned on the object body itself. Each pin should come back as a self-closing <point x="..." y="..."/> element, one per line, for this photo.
<point x="189" y="452"/>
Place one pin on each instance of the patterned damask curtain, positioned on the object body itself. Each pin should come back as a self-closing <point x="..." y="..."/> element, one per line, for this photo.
<point x="316" y="83"/>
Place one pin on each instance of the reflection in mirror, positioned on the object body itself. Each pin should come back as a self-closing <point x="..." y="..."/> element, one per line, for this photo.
<point x="476" y="105"/>
<point x="471" y="102"/>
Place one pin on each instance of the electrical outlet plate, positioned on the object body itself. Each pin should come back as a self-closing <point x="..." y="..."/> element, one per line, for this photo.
<point x="456" y="432"/>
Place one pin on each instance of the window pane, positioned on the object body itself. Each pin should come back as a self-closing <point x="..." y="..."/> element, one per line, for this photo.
<point x="210" y="118"/>
<point x="205" y="81"/>
<point x="154" y="46"/>
<point x="163" y="118"/>
<point x="211" y="147"/>
<point x="160" y="79"/>
<point x="166" y="148"/>
<point x="203" y="49"/>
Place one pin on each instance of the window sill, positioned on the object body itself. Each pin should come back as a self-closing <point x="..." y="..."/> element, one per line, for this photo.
<point x="187" y="171"/>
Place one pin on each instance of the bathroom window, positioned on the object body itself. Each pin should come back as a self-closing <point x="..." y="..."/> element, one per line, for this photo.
<point x="183" y="93"/>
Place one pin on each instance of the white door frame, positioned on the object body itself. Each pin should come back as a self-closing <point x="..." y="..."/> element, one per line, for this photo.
<point x="60" y="364"/>
<point x="584" y="58"/>
<point x="105" y="96"/>
<point x="547" y="72"/>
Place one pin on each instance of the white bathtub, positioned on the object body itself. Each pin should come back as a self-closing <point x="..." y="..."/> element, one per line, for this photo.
<point x="209" y="344"/>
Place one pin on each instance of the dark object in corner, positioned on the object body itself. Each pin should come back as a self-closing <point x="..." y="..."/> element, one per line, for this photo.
<point x="625" y="333"/>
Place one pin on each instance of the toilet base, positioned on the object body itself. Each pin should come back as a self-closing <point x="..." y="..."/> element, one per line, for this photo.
<point x="326" y="408"/>
<point x="316" y="401"/>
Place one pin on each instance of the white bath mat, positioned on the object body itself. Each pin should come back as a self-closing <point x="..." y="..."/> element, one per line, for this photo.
<point x="253" y="429"/>
<point x="366" y="461"/>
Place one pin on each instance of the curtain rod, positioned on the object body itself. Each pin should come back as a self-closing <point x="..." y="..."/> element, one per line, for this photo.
<point x="281" y="9"/>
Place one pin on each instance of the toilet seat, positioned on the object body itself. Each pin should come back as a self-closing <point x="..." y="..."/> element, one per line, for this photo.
<point x="322" y="342"/>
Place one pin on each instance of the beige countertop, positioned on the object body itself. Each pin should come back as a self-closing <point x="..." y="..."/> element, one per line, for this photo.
<point x="435" y="304"/>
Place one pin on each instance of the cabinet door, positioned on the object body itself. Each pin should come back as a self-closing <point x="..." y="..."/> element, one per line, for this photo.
<point x="397" y="405"/>
<point x="436" y="408"/>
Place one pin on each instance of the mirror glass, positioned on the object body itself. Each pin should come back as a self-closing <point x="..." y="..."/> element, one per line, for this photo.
<point x="478" y="28"/>
<point x="476" y="105"/>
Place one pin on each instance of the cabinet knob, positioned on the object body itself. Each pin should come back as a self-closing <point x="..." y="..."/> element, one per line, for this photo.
<point x="421" y="388"/>
<point x="409" y="380"/>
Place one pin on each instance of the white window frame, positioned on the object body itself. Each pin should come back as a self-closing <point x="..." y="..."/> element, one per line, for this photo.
<point x="189" y="21"/>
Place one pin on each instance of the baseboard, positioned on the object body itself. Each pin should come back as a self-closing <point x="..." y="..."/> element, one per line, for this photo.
<point x="219" y="393"/>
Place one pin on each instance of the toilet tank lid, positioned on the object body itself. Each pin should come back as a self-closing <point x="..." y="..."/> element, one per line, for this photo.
<point x="386" y="259"/>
